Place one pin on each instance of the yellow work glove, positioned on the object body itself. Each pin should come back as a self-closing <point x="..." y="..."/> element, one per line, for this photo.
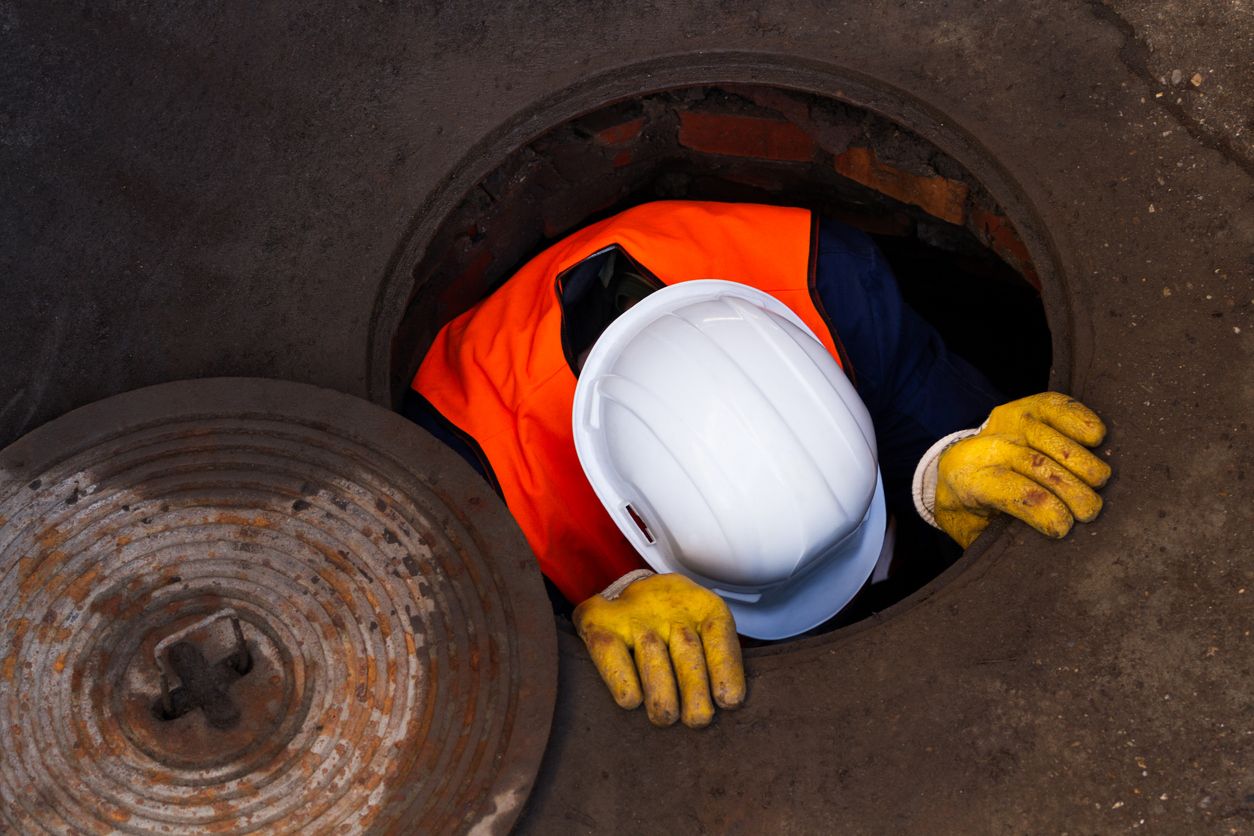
<point x="677" y="631"/>
<point x="1028" y="460"/>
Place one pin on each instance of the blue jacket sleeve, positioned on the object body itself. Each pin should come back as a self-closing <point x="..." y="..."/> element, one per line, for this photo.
<point x="914" y="388"/>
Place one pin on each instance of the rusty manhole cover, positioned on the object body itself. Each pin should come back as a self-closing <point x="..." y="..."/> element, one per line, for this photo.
<point x="239" y="605"/>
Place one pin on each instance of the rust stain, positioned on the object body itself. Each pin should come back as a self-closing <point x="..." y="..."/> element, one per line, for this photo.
<point x="337" y="581"/>
<point x="40" y="573"/>
<point x="309" y="762"/>
<point x="82" y="585"/>
<point x="451" y="566"/>
<point x="256" y="521"/>
<point x="110" y="607"/>
<point x="77" y="676"/>
<point x="385" y="627"/>
<point x="370" y="780"/>
<point x="220" y="826"/>
<point x="50" y="537"/>
<point x="8" y="667"/>
<point x="50" y="633"/>
<point x="159" y="777"/>
<point x="117" y="815"/>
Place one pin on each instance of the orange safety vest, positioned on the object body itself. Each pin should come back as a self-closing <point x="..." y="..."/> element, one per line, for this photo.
<point x="499" y="375"/>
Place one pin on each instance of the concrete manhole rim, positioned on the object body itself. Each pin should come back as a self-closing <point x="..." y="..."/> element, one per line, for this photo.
<point x="1068" y="318"/>
<point x="417" y="481"/>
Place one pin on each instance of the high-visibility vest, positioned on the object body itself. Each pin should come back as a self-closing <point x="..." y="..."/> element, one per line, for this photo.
<point x="499" y="375"/>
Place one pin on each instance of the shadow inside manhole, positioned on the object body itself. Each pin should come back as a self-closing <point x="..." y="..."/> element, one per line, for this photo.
<point x="957" y="257"/>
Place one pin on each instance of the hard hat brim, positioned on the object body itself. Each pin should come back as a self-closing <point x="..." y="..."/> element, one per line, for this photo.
<point x="813" y="597"/>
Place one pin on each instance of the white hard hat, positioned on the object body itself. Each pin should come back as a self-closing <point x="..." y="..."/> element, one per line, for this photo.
<point x="728" y="446"/>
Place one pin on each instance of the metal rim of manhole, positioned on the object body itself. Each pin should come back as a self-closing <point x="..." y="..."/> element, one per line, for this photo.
<point x="239" y="605"/>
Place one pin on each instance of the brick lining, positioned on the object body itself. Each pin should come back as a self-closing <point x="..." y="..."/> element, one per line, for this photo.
<point x="739" y="143"/>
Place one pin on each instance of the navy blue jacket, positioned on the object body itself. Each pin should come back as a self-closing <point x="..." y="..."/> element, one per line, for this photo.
<point x="916" y="390"/>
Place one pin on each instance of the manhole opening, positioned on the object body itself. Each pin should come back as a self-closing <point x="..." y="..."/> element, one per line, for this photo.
<point x="958" y="258"/>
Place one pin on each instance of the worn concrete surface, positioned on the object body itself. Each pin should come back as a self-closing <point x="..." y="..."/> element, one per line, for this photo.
<point x="190" y="192"/>
<point x="1197" y="58"/>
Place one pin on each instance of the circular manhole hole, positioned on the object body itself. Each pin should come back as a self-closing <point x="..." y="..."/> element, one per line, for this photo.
<point x="237" y="605"/>
<point x="950" y="222"/>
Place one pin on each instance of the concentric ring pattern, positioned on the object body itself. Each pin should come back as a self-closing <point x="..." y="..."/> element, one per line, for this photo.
<point x="402" y="653"/>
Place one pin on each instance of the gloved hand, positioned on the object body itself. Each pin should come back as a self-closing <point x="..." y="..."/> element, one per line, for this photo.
<point x="668" y="622"/>
<point x="1027" y="461"/>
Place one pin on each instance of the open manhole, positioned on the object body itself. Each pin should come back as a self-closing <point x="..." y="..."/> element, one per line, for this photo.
<point x="957" y="254"/>
<point x="239" y="606"/>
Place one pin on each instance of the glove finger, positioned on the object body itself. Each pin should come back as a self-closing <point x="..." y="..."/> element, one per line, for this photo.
<point x="661" y="700"/>
<point x="694" y="685"/>
<point x="609" y="653"/>
<point x="1072" y="418"/>
<point x="1068" y="453"/>
<point x="722" y="656"/>
<point x="1024" y="499"/>
<point x="1079" y="498"/>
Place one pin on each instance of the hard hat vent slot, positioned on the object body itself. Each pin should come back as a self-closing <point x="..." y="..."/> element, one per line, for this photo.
<point x="640" y="524"/>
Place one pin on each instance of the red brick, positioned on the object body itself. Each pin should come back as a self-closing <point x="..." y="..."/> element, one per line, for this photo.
<point x="998" y="233"/>
<point x="744" y="136"/>
<point x="939" y="197"/>
<point x="620" y="134"/>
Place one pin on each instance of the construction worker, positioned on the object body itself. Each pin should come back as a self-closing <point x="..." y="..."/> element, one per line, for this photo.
<point x="701" y="416"/>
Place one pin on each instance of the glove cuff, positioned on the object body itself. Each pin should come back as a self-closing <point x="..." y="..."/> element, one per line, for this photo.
<point x="616" y="588"/>
<point x="926" y="474"/>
